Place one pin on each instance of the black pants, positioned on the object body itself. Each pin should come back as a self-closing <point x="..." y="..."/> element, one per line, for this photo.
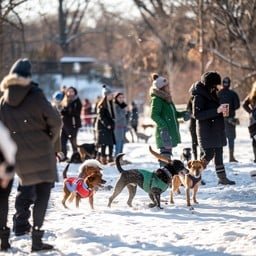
<point x="103" y="150"/>
<point x="38" y="195"/>
<point x="213" y="153"/>
<point x="4" y="205"/>
<point x="71" y="136"/>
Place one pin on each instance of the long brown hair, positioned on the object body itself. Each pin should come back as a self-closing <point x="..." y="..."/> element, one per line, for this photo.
<point x="252" y="95"/>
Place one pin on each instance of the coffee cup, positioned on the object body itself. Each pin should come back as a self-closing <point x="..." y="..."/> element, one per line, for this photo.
<point x="226" y="109"/>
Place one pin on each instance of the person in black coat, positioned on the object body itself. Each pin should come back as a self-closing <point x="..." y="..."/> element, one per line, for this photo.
<point x="249" y="105"/>
<point x="105" y="125"/>
<point x="226" y="95"/>
<point x="134" y="117"/>
<point x="210" y="122"/>
<point x="70" y="112"/>
<point x="192" y="129"/>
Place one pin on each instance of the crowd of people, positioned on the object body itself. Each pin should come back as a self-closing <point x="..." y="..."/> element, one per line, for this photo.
<point x="36" y="131"/>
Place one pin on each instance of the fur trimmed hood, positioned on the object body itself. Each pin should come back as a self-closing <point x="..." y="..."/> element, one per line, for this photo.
<point x="15" y="88"/>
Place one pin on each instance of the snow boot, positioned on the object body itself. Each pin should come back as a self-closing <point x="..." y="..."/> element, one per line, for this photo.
<point x="221" y="173"/>
<point x="4" y="236"/>
<point x="37" y="244"/>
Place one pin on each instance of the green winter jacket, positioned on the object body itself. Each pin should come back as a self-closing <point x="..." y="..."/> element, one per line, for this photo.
<point x="150" y="180"/>
<point x="165" y="115"/>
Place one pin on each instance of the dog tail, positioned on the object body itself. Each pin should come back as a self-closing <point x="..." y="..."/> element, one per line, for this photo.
<point x="118" y="165"/>
<point x="64" y="174"/>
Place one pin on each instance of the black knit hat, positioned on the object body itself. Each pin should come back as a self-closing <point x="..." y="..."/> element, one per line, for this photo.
<point x="22" y="67"/>
<point x="211" y="79"/>
<point x="226" y="81"/>
<point x="72" y="88"/>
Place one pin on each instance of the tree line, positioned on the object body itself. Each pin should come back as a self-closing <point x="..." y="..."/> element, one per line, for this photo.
<point x="180" y="39"/>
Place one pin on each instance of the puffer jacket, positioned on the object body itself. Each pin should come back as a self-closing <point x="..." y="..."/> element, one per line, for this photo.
<point x="34" y="126"/>
<point x="210" y="124"/>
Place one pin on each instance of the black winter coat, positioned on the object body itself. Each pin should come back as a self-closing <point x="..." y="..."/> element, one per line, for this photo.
<point x="228" y="96"/>
<point x="210" y="124"/>
<point x="104" y="135"/>
<point x="71" y="115"/>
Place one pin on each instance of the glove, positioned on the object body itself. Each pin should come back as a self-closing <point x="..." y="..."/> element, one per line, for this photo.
<point x="186" y="116"/>
<point x="166" y="138"/>
<point x="60" y="156"/>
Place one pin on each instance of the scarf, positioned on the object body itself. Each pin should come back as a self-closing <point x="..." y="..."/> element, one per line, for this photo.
<point x="161" y="94"/>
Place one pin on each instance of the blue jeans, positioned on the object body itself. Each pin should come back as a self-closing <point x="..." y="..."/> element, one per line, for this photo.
<point x="119" y="147"/>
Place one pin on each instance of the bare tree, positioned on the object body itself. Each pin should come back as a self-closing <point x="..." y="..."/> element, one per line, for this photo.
<point x="169" y="25"/>
<point x="71" y="14"/>
<point x="8" y="17"/>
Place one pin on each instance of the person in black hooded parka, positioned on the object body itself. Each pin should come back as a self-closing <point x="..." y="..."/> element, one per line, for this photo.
<point x="210" y="122"/>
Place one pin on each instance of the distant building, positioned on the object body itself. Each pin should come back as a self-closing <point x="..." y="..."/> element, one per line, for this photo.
<point x="87" y="74"/>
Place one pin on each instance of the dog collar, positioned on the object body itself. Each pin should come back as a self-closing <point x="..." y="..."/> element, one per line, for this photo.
<point x="166" y="172"/>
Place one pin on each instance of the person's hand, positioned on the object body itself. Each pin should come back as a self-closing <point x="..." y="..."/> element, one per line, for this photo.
<point x="166" y="138"/>
<point x="220" y="109"/>
<point x="186" y="116"/>
<point x="6" y="174"/>
<point x="60" y="156"/>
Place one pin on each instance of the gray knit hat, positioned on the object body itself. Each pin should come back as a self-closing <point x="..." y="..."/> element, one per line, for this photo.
<point x="106" y="90"/>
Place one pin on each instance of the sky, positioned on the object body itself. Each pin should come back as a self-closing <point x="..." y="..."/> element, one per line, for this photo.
<point x="222" y="224"/>
<point x="31" y="9"/>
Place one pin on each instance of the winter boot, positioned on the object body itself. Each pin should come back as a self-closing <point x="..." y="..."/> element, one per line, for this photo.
<point x="221" y="173"/>
<point x="4" y="236"/>
<point x="231" y="156"/>
<point x="37" y="244"/>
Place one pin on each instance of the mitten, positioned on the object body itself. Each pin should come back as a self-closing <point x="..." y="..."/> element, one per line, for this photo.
<point x="186" y="116"/>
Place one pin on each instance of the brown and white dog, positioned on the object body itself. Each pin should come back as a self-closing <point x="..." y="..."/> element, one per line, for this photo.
<point x="83" y="186"/>
<point x="88" y="167"/>
<point x="190" y="180"/>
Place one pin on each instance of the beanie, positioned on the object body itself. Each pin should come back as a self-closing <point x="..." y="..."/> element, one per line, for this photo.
<point x="159" y="81"/>
<point x="72" y="88"/>
<point x="105" y="90"/>
<point x="226" y="81"/>
<point x="211" y="79"/>
<point x="58" y="96"/>
<point x="22" y="67"/>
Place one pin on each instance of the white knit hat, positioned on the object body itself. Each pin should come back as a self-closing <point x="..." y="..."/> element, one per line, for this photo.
<point x="159" y="82"/>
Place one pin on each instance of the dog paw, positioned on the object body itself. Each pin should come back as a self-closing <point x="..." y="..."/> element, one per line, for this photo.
<point x="151" y="205"/>
<point x="191" y="208"/>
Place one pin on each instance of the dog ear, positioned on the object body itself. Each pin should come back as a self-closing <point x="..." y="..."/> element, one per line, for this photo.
<point x="90" y="178"/>
<point x="189" y="164"/>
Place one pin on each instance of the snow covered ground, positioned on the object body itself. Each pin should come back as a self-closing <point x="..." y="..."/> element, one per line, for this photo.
<point x="223" y="223"/>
